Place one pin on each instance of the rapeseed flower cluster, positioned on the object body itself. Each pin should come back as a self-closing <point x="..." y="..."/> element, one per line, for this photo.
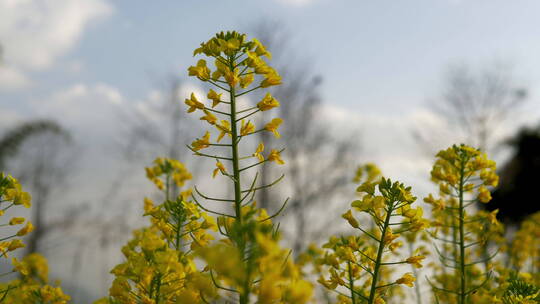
<point x="32" y="285"/>
<point x="160" y="263"/>
<point x="524" y="250"/>
<point x="11" y="195"/>
<point x="257" y="267"/>
<point x="519" y="289"/>
<point x="360" y="267"/>
<point x="463" y="175"/>
<point x="166" y="171"/>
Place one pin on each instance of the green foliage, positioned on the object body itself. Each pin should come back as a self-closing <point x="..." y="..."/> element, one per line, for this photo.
<point x="520" y="291"/>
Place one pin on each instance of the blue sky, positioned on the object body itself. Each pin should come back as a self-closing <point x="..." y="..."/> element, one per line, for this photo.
<point x="81" y="61"/>
<point x="375" y="56"/>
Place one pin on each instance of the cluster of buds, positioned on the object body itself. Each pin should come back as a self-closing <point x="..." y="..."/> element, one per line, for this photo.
<point x="31" y="285"/>
<point x="525" y="248"/>
<point x="160" y="262"/>
<point x="11" y="195"/>
<point x="357" y="264"/>
<point x="173" y="171"/>
<point x="463" y="175"/>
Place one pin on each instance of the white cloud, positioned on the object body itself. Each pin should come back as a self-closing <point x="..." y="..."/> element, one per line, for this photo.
<point x="8" y="118"/>
<point x="35" y="33"/>
<point x="296" y="2"/>
<point x="111" y="94"/>
<point x="150" y="106"/>
<point x="74" y="66"/>
<point x="89" y="111"/>
<point x="12" y="79"/>
<point x="387" y="140"/>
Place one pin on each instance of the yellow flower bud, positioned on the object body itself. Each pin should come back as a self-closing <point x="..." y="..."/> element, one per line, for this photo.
<point x="16" y="221"/>
<point x="407" y="279"/>
<point x="268" y="102"/>
<point x="349" y="217"/>
<point x="273" y="125"/>
<point x="26" y="229"/>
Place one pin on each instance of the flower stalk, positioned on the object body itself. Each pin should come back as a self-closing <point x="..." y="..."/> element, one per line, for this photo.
<point x="248" y="230"/>
<point x="462" y="172"/>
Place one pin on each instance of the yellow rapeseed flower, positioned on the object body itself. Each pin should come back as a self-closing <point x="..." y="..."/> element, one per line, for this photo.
<point x="268" y="102"/>
<point x="407" y="279"/>
<point x="20" y="267"/>
<point x="16" y="221"/>
<point x="492" y="217"/>
<point x="300" y="291"/>
<point x="274" y="156"/>
<point x="271" y="79"/>
<point x="232" y="77"/>
<point x="389" y="237"/>
<point x="260" y="50"/>
<point x="26" y="229"/>
<point x="350" y="218"/>
<point x="273" y="125"/>
<point x="246" y="128"/>
<point x="224" y="128"/>
<point x="201" y="71"/>
<point x="15" y="244"/>
<point x="219" y="168"/>
<point x="258" y="151"/>
<point x="484" y="195"/>
<point x="209" y="117"/>
<point x="246" y="80"/>
<point x="194" y="103"/>
<point x="379" y="300"/>
<point x="415" y="260"/>
<point x="16" y="194"/>
<point x="215" y="97"/>
<point x="201" y="143"/>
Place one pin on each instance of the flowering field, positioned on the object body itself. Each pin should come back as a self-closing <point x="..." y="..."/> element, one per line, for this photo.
<point x="198" y="248"/>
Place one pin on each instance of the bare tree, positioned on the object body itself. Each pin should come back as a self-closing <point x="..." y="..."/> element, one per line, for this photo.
<point x="155" y="128"/>
<point x="161" y="129"/>
<point x="39" y="152"/>
<point x="317" y="160"/>
<point x="476" y="104"/>
<point x="14" y="138"/>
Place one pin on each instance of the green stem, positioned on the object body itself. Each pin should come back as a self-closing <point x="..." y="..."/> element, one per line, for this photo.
<point x="455" y="234"/>
<point x="244" y="296"/>
<point x="178" y="239"/>
<point x="415" y="272"/>
<point x="462" y="293"/>
<point x="351" y="283"/>
<point x="158" y="287"/>
<point x="151" y="289"/>
<point x="180" y="218"/>
<point x="167" y="181"/>
<point x="485" y="255"/>
<point x="380" y="254"/>
<point x="9" y="237"/>
<point x="236" y="167"/>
